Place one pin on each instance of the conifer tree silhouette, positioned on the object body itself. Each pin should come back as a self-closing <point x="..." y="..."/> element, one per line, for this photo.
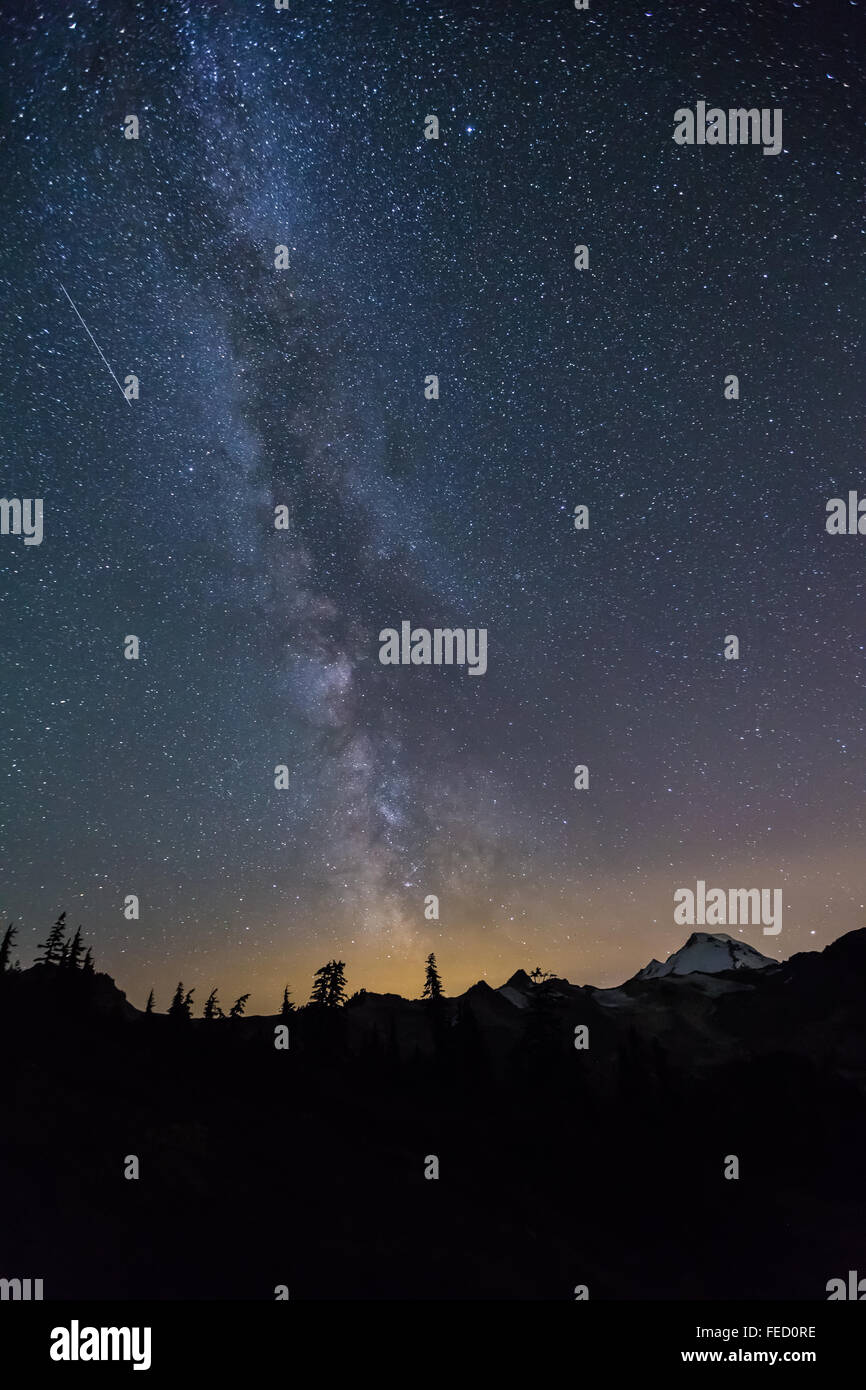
<point x="87" y="966"/>
<point x="54" y="945"/>
<point x="187" y="1003"/>
<point x="432" y="981"/>
<point x="329" y="985"/>
<point x="212" y="1009"/>
<point x="320" y="984"/>
<point x="148" y="1008"/>
<point x="337" y="985"/>
<point x="237" y="1008"/>
<point x="176" y="1008"/>
<point x="6" y="947"/>
<point x="75" y="952"/>
<point x="287" y="1007"/>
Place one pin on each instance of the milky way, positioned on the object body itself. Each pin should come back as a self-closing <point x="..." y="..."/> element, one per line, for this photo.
<point x="305" y="387"/>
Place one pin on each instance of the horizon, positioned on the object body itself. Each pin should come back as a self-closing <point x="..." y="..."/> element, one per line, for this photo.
<point x="433" y="503"/>
<point x="374" y="386"/>
<point x="226" y="996"/>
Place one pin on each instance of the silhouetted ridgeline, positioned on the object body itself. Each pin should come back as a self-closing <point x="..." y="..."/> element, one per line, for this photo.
<point x="582" y="1135"/>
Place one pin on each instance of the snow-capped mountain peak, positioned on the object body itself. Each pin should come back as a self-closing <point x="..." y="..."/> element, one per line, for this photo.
<point x="707" y="953"/>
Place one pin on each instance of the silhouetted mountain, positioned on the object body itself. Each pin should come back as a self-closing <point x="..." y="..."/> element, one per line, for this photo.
<point x="710" y="953"/>
<point x="518" y="989"/>
<point x="713" y="998"/>
<point x="51" y="986"/>
<point x="566" y="1118"/>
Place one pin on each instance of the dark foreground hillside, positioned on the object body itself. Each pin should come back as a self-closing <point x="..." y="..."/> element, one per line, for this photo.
<point x="558" y="1167"/>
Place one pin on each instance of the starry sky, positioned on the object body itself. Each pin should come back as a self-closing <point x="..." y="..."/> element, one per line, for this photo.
<point x="305" y="387"/>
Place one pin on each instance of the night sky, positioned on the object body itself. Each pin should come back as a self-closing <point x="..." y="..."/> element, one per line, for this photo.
<point x="305" y="387"/>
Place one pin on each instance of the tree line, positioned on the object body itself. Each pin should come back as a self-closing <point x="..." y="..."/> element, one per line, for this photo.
<point x="66" y="953"/>
<point x="60" y="950"/>
<point x="328" y="992"/>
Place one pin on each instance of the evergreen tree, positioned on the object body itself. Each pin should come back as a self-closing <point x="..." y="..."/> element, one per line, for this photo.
<point x="329" y="986"/>
<point x="87" y="966"/>
<point x="320" y="984"/>
<point x="212" y="1009"/>
<point x="75" y="952"/>
<point x="287" y="1005"/>
<point x="6" y="947"/>
<point x="432" y="981"/>
<point x="176" y="1008"/>
<point x="336" y="984"/>
<point x="187" y="1003"/>
<point x="54" y="945"/>
<point x="148" y="1008"/>
<point x="237" y="1008"/>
